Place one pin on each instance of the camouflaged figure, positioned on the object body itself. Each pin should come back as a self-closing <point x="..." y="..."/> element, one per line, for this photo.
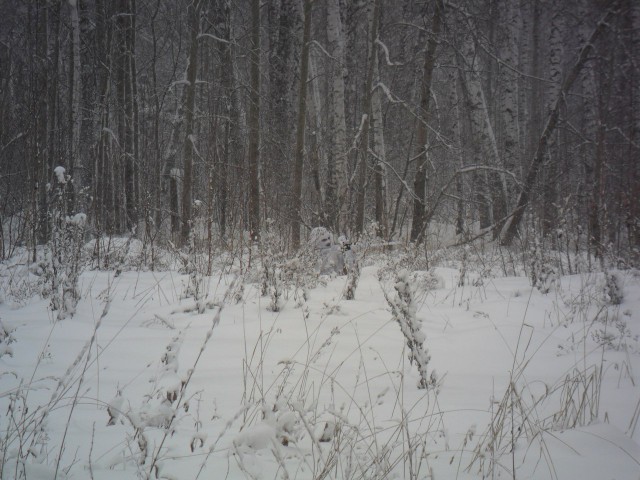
<point x="333" y="257"/>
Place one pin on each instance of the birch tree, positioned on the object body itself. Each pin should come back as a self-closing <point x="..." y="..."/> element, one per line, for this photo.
<point x="556" y="54"/>
<point x="485" y="146"/>
<point x="508" y="82"/>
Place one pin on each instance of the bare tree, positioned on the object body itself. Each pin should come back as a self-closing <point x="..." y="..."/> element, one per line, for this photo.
<point x="296" y="204"/>
<point x="365" y="125"/>
<point x="253" y="154"/>
<point x="189" y="114"/>
<point x="420" y="180"/>
<point x="337" y="172"/>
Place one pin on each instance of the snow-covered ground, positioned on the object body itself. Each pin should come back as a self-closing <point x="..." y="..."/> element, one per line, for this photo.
<point x="139" y="384"/>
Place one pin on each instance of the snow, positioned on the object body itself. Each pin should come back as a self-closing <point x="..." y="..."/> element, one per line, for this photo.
<point x="243" y="392"/>
<point x="59" y="173"/>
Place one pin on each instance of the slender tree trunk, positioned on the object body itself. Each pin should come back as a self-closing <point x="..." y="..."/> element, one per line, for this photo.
<point x="418" y="226"/>
<point x="591" y="149"/>
<point x="633" y="219"/>
<point x="508" y="81"/>
<point x="40" y="172"/>
<point x="75" y="168"/>
<point x="456" y="130"/>
<point x="224" y="48"/>
<point x="337" y="172"/>
<point x="556" y="54"/>
<point x="296" y="204"/>
<point x="103" y="189"/>
<point x="126" y="117"/>
<point x="363" y="151"/>
<point x="254" y="125"/>
<point x="316" y="153"/>
<point x="284" y="61"/>
<point x="380" y="171"/>
<point x="189" y="118"/>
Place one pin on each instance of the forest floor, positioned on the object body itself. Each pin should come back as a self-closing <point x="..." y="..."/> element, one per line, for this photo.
<point x="145" y="382"/>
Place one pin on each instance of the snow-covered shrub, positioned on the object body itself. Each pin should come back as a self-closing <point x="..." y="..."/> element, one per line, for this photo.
<point x="403" y="309"/>
<point x="297" y="276"/>
<point x="616" y="335"/>
<point x="542" y="272"/>
<point x="195" y="283"/>
<point x="122" y="254"/>
<point x="613" y="289"/>
<point x="271" y="284"/>
<point x="20" y="281"/>
<point x="6" y="339"/>
<point x="65" y="251"/>
<point x="353" y="276"/>
<point x="411" y="257"/>
<point x="282" y="275"/>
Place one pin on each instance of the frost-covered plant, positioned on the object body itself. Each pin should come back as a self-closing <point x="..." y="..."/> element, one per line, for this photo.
<point x="403" y="309"/>
<point x="542" y="273"/>
<point x="282" y="275"/>
<point x="271" y="257"/>
<point x="194" y="287"/>
<point x="272" y="284"/>
<point x="6" y="339"/>
<point x="65" y="251"/>
<point x="613" y="289"/>
<point x="463" y="266"/>
<point x="22" y="284"/>
<point x="353" y="276"/>
<point x="297" y="276"/>
<point x="616" y="335"/>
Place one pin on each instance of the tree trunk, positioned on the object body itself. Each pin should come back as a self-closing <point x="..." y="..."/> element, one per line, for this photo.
<point x="189" y="114"/>
<point x="420" y="180"/>
<point x="337" y="173"/>
<point x="508" y="98"/>
<point x="380" y="171"/>
<point x="363" y="151"/>
<point x="296" y="204"/>
<point x="633" y="220"/>
<point x="491" y="187"/>
<point x="550" y="184"/>
<point x="126" y="112"/>
<point x="253" y="154"/>
<point x="224" y="32"/>
<point x="75" y="168"/>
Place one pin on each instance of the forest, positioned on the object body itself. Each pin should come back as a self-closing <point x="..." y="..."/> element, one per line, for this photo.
<point x="511" y="119"/>
<point x="319" y="239"/>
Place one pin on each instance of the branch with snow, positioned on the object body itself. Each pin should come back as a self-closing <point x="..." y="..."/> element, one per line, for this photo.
<point x="403" y="310"/>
